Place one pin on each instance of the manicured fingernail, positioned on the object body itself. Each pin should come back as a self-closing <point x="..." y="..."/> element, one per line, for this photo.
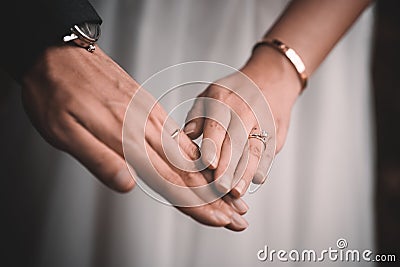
<point x="259" y="178"/>
<point x="123" y="180"/>
<point x="223" y="184"/>
<point x="239" y="189"/>
<point x="239" y="221"/>
<point x="208" y="154"/>
<point x="222" y="217"/>
<point x="240" y="205"/>
<point x="190" y="127"/>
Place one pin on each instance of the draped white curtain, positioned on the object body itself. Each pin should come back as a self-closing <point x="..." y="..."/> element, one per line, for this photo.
<point x="320" y="187"/>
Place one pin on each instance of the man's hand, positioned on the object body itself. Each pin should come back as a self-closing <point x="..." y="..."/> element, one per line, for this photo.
<point x="68" y="96"/>
<point x="77" y="101"/>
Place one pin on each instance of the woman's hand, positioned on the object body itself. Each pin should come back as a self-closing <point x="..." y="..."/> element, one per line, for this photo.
<point x="77" y="101"/>
<point x="231" y="109"/>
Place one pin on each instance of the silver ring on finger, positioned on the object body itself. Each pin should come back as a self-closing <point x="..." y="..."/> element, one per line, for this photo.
<point x="262" y="136"/>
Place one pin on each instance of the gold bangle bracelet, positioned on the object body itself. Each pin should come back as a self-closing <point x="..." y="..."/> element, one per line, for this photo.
<point x="291" y="55"/>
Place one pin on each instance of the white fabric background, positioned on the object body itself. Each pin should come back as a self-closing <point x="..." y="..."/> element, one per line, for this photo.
<point x="319" y="189"/>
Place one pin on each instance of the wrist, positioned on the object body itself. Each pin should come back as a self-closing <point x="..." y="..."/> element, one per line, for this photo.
<point x="54" y="58"/>
<point x="274" y="74"/>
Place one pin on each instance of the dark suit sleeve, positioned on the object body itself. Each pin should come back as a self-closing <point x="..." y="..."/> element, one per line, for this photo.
<point x="29" y="26"/>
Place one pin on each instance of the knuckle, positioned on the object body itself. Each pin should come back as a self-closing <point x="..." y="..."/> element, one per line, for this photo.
<point x="172" y="178"/>
<point x="56" y="133"/>
<point x="190" y="179"/>
<point x="255" y="150"/>
<point x="219" y="205"/>
<point x="242" y="107"/>
<point x="218" y="92"/>
<point x="116" y="110"/>
<point x="216" y="126"/>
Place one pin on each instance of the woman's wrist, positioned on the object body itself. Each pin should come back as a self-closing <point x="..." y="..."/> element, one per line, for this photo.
<point x="273" y="73"/>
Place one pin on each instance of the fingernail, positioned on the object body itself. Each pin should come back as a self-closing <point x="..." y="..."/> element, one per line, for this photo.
<point x="123" y="180"/>
<point x="190" y="127"/>
<point x="239" y="221"/>
<point x="208" y="155"/>
<point x="239" y="189"/>
<point x="240" y="205"/>
<point x="222" y="217"/>
<point x="223" y="184"/>
<point x="259" y="178"/>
